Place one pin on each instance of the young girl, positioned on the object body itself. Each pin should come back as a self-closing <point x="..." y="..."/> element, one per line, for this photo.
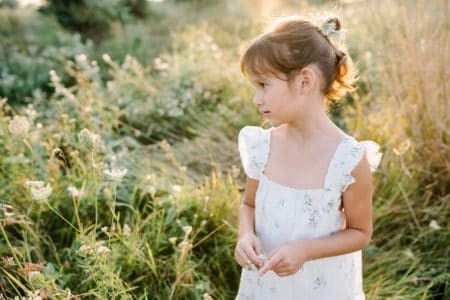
<point x="306" y="212"/>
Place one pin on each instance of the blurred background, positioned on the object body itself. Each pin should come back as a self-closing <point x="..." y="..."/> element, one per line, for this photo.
<point x="119" y="171"/>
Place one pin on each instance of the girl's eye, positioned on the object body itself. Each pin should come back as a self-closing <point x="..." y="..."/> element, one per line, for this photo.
<point x="261" y="84"/>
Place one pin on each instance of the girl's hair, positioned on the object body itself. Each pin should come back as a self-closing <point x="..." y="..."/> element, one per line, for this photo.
<point x="293" y="43"/>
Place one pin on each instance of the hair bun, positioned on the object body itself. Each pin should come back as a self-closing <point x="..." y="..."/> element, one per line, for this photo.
<point x="341" y="57"/>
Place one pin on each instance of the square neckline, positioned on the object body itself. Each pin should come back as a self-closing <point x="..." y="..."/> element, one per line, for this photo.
<point x="294" y="189"/>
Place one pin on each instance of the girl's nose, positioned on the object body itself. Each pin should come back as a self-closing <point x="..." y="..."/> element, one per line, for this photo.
<point x="257" y="99"/>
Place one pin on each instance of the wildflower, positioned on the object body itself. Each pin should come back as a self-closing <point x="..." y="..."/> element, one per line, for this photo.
<point x="160" y="65"/>
<point x="206" y="296"/>
<point x="74" y="192"/>
<point x="106" y="58"/>
<point x="176" y="188"/>
<point x="104" y="229"/>
<point x="39" y="191"/>
<point x="103" y="250"/>
<point x="185" y="245"/>
<point x="34" y="275"/>
<point x="126" y="230"/>
<point x="150" y="189"/>
<point x="85" y="250"/>
<point x="115" y="174"/>
<point x="19" y="126"/>
<point x="54" y="77"/>
<point x="86" y="139"/>
<point x="98" y="248"/>
<point x="235" y="171"/>
<point x="8" y="261"/>
<point x="434" y="225"/>
<point x="408" y="253"/>
<point x="187" y="229"/>
<point x="81" y="58"/>
<point x="91" y="141"/>
<point x="173" y="240"/>
<point x="403" y="147"/>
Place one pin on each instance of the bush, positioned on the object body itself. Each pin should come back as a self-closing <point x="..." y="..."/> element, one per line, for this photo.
<point x="31" y="46"/>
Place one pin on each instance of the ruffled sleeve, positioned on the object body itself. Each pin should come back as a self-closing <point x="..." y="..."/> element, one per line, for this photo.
<point x="252" y="144"/>
<point x="373" y="155"/>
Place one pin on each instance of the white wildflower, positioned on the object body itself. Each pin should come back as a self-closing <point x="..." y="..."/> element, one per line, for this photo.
<point x="104" y="229"/>
<point x="160" y="65"/>
<point x="185" y="245"/>
<point x="85" y="250"/>
<point x="86" y="139"/>
<point x="54" y="77"/>
<point x="33" y="275"/>
<point x="41" y="194"/>
<point x="126" y="230"/>
<point x="19" y="126"/>
<point x="74" y="192"/>
<point x="36" y="295"/>
<point x="403" y="147"/>
<point x="115" y="174"/>
<point x="408" y="253"/>
<point x="81" y="58"/>
<point x="98" y="248"/>
<point x="91" y="141"/>
<point x="106" y="58"/>
<point x="434" y="225"/>
<point x="34" y="183"/>
<point x="173" y="240"/>
<point x="206" y="296"/>
<point x="176" y="188"/>
<point x="150" y="189"/>
<point x="39" y="191"/>
<point x="187" y="229"/>
<point x="103" y="250"/>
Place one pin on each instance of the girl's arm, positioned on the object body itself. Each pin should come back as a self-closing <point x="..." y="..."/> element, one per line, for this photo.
<point x="247" y="208"/>
<point x="357" y="200"/>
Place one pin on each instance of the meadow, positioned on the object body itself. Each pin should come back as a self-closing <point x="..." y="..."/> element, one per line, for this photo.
<point x="119" y="171"/>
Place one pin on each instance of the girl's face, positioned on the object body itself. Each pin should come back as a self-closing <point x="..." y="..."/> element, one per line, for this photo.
<point x="275" y="100"/>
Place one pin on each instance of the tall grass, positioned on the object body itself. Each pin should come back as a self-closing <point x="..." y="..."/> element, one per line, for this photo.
<point x="167" y="229"/>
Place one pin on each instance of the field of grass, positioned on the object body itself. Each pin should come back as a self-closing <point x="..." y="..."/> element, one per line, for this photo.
<point x="119" y="171"/>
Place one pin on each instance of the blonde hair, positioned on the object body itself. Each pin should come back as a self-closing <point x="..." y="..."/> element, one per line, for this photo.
<point x="291" y="44"/>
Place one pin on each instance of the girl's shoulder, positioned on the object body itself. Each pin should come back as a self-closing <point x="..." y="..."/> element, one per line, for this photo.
<point x="253" y="146"/>
<point x="350" y="154"/>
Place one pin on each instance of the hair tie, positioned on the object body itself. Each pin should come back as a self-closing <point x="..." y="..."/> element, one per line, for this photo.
<point x="331" y="29"/>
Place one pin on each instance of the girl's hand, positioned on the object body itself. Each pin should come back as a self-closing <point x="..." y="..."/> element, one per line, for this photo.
<point x="247" y="250"/>
<point x="287" y="259"/>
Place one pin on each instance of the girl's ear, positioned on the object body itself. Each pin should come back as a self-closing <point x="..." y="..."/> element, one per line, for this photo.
<point x="305" y="80"/>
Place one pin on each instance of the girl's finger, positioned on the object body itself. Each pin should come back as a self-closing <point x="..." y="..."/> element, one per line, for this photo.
<point x="251" y="254"/>
<point x="271" y="263"/>
<point x="242" y="257"/>
<point x="258" y="247"/>
<point x="283" y="274"/>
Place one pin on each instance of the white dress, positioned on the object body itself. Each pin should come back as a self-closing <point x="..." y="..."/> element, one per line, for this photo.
<point x="284" y="214"/>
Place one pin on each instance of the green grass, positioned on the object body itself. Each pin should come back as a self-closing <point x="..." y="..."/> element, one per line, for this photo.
<point x="184" y="169"/>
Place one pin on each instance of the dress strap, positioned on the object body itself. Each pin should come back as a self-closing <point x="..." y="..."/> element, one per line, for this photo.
<point x="347" y="158"/>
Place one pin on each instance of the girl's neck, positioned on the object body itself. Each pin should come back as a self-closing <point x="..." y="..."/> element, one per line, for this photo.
<point x="312" y="125"/>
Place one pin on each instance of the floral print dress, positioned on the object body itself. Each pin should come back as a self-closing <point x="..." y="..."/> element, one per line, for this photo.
<point x="284" y="214"/>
